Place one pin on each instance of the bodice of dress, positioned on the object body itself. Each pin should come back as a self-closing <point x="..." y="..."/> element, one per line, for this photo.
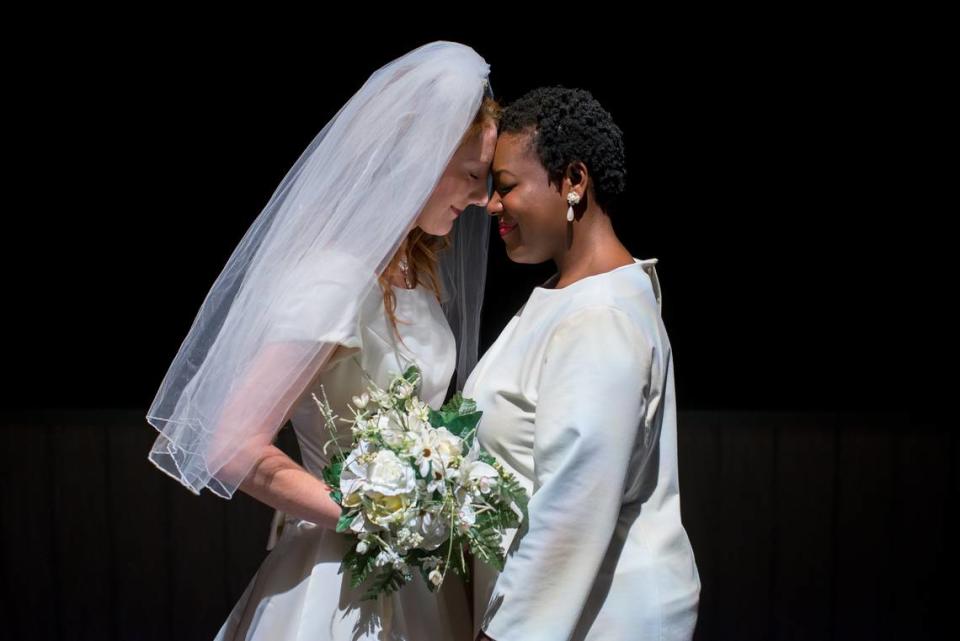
<point x="374" y="349"/>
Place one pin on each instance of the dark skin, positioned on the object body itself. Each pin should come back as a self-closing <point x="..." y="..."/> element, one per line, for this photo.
<point x="523" y="195"/>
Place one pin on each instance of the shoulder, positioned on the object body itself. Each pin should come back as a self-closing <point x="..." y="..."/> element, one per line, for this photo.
<point x="330" y="268"/>
<point x="628" y="295"/>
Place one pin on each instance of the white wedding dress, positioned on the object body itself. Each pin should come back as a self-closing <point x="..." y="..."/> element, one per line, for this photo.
<point x="299" y="592"/>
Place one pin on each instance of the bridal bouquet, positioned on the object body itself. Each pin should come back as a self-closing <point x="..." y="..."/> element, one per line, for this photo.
<point x="416" y="488"/>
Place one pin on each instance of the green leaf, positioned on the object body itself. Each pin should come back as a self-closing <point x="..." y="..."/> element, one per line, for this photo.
<point x="511" y="490"/>
<point x="343" y="523"/>
<point x="389" y="580"/>
<point x="331" y="473"/>
<point x="412" y="374"/>
<point x="453" y="405"/>
<point x="463" y="423"/>
<point x="467" y="406"/>
<point x="436" y="418"/>
<point x="362" y="566"/>
<point x="484" y="539"/>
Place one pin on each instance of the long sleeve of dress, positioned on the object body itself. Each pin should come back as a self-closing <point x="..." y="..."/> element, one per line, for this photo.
<point x="592" y="398"/>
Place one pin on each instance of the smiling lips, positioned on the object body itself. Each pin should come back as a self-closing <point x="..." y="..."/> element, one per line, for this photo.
<point x="506" y="228"/>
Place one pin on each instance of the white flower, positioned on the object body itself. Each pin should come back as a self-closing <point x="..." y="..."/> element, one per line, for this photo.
<point x="437" y="482"/>
<point x="418" y="408"/>
<point x="476" y="472"/>
<point x="416" y="424"/>
<point x="361" y="524"/>
<point x="382" y="477"/>
<point x="429" y="525"/>
<point x="361" y="401"/>
<point x="362" y="547"/>
<point x="467" y="517"/>
<point x="426" y="449"/>
<point x="391" y="428"/>
<point x="407" y="539"/>
<point x="381" y="398"/>
<point x="388" y="475"/>
<point x="403" y="389"/>
<point x="449" y="445"/>
<point x="387" y="556"/>
<point x="436" y="577"/>
<point x="353" y="477"/>
<point x="434" y="449"/>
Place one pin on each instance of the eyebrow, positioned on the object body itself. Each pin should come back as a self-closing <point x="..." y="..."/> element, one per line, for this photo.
<point x="501" y="171"/>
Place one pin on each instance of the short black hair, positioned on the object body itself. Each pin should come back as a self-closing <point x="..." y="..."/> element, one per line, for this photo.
<point x="570" y="125"/>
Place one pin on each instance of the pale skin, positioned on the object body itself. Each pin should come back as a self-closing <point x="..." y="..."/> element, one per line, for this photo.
<point x="279" y="481"/>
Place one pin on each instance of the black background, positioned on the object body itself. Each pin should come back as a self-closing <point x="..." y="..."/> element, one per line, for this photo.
<point x="785" y="178"/>
<point x="792" y="173"/>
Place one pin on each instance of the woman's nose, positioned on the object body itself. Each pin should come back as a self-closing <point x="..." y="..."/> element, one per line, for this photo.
<point x="481" y="197"/>
<point x="483" y="200"/>
<point x="494" y="205"/>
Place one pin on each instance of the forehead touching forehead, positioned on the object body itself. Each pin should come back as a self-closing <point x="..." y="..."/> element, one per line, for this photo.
<point x="478" y="148"/>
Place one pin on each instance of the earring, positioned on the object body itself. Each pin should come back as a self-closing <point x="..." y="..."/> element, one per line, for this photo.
<point x="573" y="198"/>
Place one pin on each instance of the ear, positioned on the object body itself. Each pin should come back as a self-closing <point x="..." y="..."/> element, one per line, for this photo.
<point x="577" y="176"/>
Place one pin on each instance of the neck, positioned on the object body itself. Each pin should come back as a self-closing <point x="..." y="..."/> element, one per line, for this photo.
<point x="591" y="247"/>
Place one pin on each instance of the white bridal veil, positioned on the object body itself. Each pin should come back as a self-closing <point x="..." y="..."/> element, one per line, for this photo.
<point x="296" y="278"/>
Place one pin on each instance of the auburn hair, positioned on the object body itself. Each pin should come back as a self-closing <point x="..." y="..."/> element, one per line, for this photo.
<point x="422" y="249"/>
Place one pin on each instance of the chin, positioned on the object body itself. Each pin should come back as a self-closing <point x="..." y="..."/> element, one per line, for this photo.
<point x="435" y="231"/>
<point x="517" y="255"/>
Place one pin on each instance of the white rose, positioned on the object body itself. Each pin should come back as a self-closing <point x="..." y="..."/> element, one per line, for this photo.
<point x="390" y="476"/>
<point x="436" y="578"/>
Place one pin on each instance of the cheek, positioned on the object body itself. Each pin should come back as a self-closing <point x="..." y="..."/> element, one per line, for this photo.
<point x="443" y="195"/>
<point x="533" y="212"/>
<point x="440" y="197"/>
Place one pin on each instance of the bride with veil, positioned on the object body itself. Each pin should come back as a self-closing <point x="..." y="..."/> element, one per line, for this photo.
<point x="369" y="257"/>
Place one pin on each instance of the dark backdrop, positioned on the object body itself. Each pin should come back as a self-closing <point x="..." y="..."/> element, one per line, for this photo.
<point x="784" y="175"/>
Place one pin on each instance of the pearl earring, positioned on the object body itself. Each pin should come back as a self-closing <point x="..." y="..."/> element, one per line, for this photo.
<point x="573" y="198"/>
